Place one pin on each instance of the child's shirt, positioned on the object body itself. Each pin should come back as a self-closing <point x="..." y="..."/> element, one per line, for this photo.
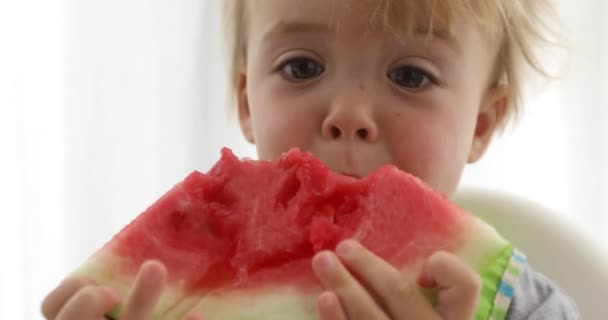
<point x="536" y="297"/>
<point x="512" y="290"/>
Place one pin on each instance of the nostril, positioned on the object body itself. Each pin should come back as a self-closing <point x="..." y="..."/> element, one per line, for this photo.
<point x="335" y="132"/>
<point x="362" y="133"/>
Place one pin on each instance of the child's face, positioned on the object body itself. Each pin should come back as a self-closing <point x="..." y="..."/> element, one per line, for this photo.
<point x="318" y="78"/>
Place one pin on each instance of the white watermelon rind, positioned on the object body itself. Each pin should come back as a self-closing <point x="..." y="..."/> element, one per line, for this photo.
<point x="482" y="250"/>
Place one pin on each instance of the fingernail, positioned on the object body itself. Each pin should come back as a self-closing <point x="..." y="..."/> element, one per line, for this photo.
<point x="152" y="273"/>
<point x="114" y="294"/>
<point x="345" y="248"/>
<point x="325" y="261"/>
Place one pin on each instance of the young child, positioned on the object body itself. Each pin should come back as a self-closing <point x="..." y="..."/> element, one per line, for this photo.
<point x="419" y="84"/>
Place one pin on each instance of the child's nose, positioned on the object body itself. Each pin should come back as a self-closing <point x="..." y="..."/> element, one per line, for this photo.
<point x="351" y="123"/>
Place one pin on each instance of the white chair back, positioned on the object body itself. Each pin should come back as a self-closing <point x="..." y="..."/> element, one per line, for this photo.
<point x="556" y="247"/>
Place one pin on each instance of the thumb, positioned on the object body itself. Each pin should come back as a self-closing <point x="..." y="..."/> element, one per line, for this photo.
<point x="458" y="285"/>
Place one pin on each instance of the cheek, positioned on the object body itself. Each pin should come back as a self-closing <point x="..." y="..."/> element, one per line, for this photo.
<point x="280" y="124"/>
<point x="432" y="148"/>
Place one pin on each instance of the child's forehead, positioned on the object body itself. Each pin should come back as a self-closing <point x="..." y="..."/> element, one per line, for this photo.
<point x="352" y="21"/>
<point x="396" y="16"/>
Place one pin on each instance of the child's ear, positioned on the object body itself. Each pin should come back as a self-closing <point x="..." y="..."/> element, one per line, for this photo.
<point x="243" y="106"/>
<point x="492" y="112"/>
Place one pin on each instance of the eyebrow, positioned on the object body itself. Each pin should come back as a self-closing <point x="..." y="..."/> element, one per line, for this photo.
<point x="287" y="27"/>
<point x="444" y="37"/>
<point x="295" y="27"/>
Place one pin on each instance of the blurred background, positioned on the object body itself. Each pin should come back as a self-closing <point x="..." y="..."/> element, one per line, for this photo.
<point x="104" y="105"/>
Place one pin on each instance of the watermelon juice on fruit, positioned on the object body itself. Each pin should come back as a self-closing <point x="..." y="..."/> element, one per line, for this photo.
<point x="232" y="254"/>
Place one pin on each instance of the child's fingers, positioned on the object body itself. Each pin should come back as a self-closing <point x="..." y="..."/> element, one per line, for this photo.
<point x="459" y="286"/>
<point x="146" y="291"/>
<point x="90" y="302"/>
<point x="329" y="307"/>
<point x="400" y="296"/>
<point x="55" y="300"/>
<point x="356" y="301"/>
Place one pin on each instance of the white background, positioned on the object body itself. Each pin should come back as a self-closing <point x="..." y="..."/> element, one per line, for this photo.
<point x="104" y="105"/>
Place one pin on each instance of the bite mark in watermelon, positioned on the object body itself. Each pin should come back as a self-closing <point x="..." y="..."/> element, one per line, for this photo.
<point x="238" y="241"/>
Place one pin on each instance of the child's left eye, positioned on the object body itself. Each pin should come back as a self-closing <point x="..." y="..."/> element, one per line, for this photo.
<point x="410" y="77"/>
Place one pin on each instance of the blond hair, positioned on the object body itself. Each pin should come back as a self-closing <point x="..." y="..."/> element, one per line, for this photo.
<point x="519" y="28"/>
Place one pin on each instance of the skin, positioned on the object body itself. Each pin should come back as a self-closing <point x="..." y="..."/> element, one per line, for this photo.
<point x="322" y="80"/>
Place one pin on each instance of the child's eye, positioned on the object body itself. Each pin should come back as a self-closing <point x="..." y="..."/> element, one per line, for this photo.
<point x="410" y="77"/>
<point x="301" y="69"/>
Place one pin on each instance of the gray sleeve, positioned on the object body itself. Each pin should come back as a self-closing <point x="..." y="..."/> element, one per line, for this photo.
<point x="537" y="297"/>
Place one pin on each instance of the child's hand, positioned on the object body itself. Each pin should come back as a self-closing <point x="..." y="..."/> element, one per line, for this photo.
<point x="384" y="293"/>
<point x="82" y="299"/>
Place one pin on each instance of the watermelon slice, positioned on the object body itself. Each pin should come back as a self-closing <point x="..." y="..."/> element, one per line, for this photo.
<point x="238" y="241"/>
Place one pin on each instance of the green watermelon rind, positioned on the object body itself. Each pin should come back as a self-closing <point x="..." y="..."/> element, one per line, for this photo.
<point x="491" y="276"/>
<point x="488" y="254"/>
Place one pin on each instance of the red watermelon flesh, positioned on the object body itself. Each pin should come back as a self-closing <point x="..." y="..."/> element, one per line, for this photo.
<point x="238" y="241"/>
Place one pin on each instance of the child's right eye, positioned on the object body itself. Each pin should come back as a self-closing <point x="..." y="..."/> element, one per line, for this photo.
<point x="301" y="69"/>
